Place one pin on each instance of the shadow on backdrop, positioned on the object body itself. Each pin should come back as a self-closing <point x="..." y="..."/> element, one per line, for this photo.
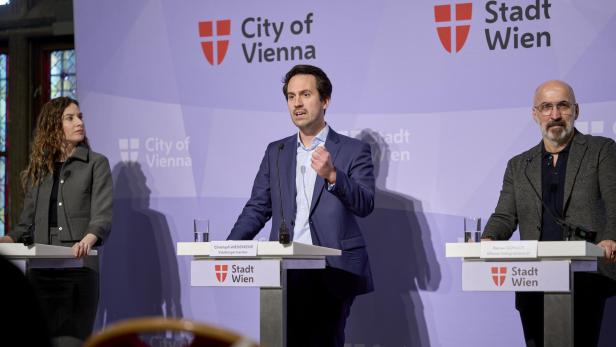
<point x="403" y="261"/>
<point x="139" y="269"/>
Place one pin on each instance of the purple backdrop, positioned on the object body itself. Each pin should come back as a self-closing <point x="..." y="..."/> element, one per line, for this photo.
<point x="185" y="138"/>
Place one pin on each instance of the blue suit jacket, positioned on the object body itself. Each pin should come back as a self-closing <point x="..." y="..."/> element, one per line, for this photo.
<point x="332" y="213"/>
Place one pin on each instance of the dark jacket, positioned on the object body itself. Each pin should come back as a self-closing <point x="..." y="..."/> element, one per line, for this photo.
<point x="332" y="214"/>
<point x="590" y="193"/>
<point x="84" y="201"/>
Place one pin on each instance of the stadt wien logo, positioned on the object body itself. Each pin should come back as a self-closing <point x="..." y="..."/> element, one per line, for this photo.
<point x="221" y="272"/>
<point x="499" y="274"/>
<point x="215" y="36"/>
<point x="452" y="18"/>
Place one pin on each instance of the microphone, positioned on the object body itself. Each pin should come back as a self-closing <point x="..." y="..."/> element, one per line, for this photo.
<point x="569" y="228"/>
<point x="303" y="171"/>
<point x="284" y="237"/>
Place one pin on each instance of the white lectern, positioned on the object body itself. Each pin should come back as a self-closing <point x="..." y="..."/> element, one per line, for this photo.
<point x="267" y="269"/>
<point x="41" y="256"/>
<point x="548" y="268"/>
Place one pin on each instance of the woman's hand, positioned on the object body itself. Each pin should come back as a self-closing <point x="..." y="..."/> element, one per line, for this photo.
<point x="83" y="247"/>
<point x="6" y="239"/>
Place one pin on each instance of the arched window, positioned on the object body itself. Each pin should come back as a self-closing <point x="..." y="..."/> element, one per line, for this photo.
<point x="62" y="74"/>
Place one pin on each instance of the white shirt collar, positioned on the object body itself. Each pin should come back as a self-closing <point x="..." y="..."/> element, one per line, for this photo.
<point x="321" y="137"/>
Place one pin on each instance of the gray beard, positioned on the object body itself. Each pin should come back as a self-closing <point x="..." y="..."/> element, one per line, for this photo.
<point x="561" y="137"/>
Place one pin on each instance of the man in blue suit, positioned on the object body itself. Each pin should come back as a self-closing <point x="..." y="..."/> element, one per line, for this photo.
<point x="326" y="181"/>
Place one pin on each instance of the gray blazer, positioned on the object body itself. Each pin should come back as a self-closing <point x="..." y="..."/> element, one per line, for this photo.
<point x="84" y="206"/>
<point x="590" y="193"/>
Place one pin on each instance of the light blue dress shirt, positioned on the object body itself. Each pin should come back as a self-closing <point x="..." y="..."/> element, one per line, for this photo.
<point x="305" y="179"/>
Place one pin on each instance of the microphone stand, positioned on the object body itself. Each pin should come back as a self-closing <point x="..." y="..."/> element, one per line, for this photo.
<point x="569" y="229"/>
<point x="284" y="236"/>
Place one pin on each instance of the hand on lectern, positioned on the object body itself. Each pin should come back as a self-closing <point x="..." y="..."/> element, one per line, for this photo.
<point x="83" y="247"/>
<point x="609" y="246"/>
<point x="6" y="239"/>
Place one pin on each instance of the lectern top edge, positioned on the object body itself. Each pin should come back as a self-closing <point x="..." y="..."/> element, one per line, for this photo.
<point x="546" y="249"/>
<point x="264" y="249"/>
<point x="18" y="250"/>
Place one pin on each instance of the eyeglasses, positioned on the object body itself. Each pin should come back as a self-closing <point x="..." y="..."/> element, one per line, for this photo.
<point x="546" y="108"/>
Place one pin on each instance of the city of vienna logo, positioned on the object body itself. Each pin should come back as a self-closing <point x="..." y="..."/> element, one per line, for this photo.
<point x="221" y="272"/>
<point x="445" y="24"/>
<point x="129" y="149"/>
<point x="499" y="273"/>
<point x="218" y="39"/>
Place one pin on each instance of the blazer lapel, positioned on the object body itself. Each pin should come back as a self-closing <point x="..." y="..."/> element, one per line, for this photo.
<point x="533" y="170"/>
<point x="333" y="146"/>
<point x="576" y="154"/>
<point x="289" y="158"/>
<point x="41" y="220"/>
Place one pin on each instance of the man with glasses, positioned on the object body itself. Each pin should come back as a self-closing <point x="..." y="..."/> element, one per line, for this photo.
<point x="563" y="188"/>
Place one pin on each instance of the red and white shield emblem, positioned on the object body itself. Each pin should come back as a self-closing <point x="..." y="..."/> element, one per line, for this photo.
<point x="445" y="24"/>
<point x="498" y="275"/>
<point x="220" y="40"/>
<point x="221" y="272"/>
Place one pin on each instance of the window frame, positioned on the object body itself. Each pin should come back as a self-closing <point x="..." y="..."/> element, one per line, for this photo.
<point x="4" y="153"/>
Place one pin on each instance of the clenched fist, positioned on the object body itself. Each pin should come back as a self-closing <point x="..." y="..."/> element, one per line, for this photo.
<point x="321" y="162"/>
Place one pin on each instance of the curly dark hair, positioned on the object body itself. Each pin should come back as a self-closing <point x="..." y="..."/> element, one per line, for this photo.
<point x="48" y="143"/>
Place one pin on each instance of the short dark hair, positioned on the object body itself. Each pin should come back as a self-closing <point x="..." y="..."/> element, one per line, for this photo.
<point x="324" y="85"/>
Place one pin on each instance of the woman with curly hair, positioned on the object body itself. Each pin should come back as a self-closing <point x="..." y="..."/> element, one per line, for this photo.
<point x="68" y="203"/>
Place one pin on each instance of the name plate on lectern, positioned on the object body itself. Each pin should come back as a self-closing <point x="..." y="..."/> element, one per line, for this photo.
<point x="235" y="273"/>
<point x="508" y="249"/>
<point x="233" y="248"/>
<point x="521" y="276"/>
